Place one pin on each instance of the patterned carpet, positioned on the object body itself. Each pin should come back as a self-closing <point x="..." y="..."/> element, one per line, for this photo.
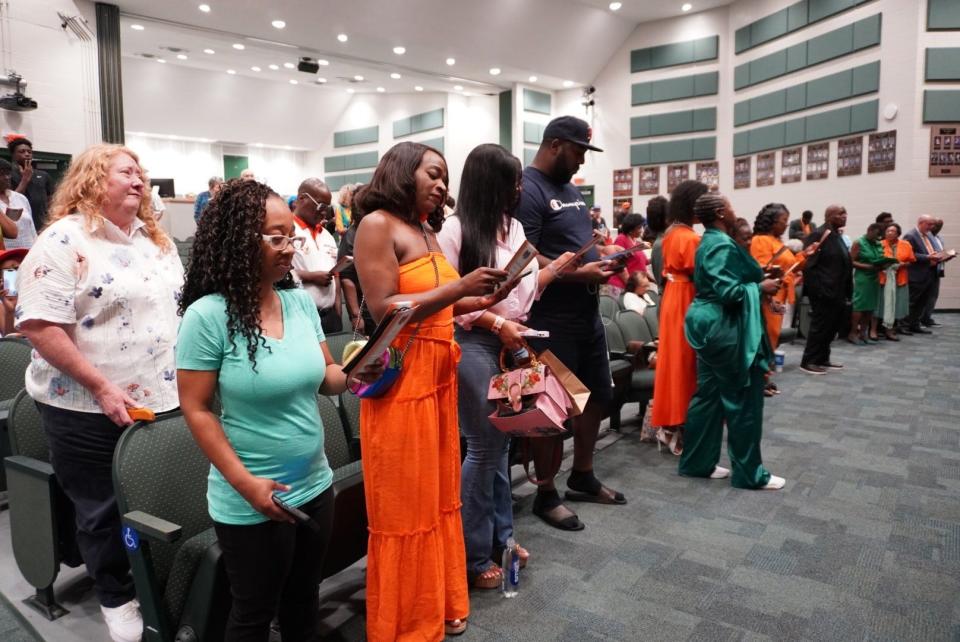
<point x="863" y="544"/>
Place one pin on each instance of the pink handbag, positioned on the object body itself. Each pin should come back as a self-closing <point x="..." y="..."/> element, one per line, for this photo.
<point x="531" y="402"/>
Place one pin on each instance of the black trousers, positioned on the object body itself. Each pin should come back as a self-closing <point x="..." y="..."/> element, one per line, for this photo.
<point x="826" y="318"/>
<point x="921" y="292"/>
<point x="81" y="453"/>
<point x="926" y="316"/>
<point x="330" y="320"/>
<point x="274" y="568"/>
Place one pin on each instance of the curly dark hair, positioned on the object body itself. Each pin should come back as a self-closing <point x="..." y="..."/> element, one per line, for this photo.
<point x="630" y="222"/>
<point x="394" y="185"/>
<point x="767" y="217"/>
<point x="657" y="214"/>
<point x="682" y="199"/>
<point x="226" y="259"/>
<point x="707" y="207"/>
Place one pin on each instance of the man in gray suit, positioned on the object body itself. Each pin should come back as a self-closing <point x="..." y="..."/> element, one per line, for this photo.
<point x="923" y="273"/>
<point x="926" y="319"/>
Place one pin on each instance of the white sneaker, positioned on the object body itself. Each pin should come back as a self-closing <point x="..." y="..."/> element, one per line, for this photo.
<point x="124" y="622"/>
<point x="719" y="472"/>
<point x="775" y="483"/>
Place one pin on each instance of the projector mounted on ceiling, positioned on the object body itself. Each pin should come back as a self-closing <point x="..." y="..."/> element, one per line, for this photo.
<point x="16" y="101"/>
<point x="308" y="65"/>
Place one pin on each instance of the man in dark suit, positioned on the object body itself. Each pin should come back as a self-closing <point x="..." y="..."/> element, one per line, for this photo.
<point x="802" y="227"/>
<point x="828" y="284"/>
<point x="926" y="318"/>
<point x="922" y="273"/>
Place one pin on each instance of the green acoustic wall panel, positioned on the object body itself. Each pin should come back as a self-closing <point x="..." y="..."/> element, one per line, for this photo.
<point x="676" y="53"/>
<point x="767" y="106"/>
<point x="348" y="162"/>
<point x="436" y="143"/>
<point x="827" y="89"/>
<point x="863" y="117"/>
<point x="528" y="155"/>
<point x="532" y="133"/>
<point x="418" y="123"/>
<point x="704" y="149"/>
<point x="846" y="40"/>
<point x="767" y="137"/>
<point x="794" y="132"/>
<point x="943" y="15"/>
<point x="506" y="120"/>
<point x="536" y="101"/>
<point x="338" y="181"/>
<point x="640" y="127"/>
<point x="831" y="124"/>
<point x="943" y="63"/>
<point x="402" y="127"/>
<point x="741" y="113"/>
<point x="680" y="122"/>
<point x="941" y="106"/>
<point x="866" y="79"/>
<point x="665" y="124"/>
<point x="705" y="119"/>
<point x="656" y="91"/>
<point x="796" y="98"/>
<point x="359" y="136"/>
<point x="741" y="143"/>
<point x="640" y="154"/>
<point x="673" y="151"/>
<point x="793" y="18"/>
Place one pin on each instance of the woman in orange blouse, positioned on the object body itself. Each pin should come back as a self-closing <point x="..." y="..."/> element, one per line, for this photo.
<point x="676" y="373"/>
<point x="894" y="301"/>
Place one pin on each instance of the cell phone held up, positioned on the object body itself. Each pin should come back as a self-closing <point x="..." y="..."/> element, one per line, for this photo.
<point x="298" y="515"/>
<point x="10" y="282"/>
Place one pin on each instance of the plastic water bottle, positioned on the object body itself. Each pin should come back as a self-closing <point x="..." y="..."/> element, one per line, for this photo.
<point x="511" y="569"/>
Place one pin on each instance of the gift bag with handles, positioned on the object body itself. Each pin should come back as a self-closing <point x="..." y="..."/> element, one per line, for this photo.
<point x="531" y="401"/>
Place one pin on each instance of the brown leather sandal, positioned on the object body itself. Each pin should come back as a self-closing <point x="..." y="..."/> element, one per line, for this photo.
<point x="491" y="578"/>
<point x="455" y="627"/>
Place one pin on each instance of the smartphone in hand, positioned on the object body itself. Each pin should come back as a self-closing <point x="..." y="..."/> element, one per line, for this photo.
<point x="297" y="514"/>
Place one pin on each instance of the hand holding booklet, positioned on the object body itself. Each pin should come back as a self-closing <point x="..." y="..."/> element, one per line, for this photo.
<point x="342" y="264"/>
<point x="397" y="316"/>
<point x="524" y="256"/>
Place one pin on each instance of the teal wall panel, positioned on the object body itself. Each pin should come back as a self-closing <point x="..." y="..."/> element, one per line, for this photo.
<point x="866" y="79"/>
<point x="673" y="89"/>
<point x="348" y="162"/>
<point x="641" y="93"/>
<point x="505" y="100"/>
<point x="741" y="143"/>
<point x="767" y="106"/>
<point x="767" y="137"/>
<point x="665" y="124"/>
<point x="704" y="149"/>
<point x="656" y="91"/>
<point x="835" y="123"/>
<point x="528" y="154"/>
<point x="796" y="98"/>
<point x="793" y="18"/>
<point x="943" y="15"/>
<point x="797" y="16"/>
<point x="941" y="106"/>
<point x="673" y="54"/>
<point x="402" y="127"/>
<point x="336" y="182"/>
<point x="680" y="122"/>
<point x="640" y="127"/>
<point x="706" y="84"/>
<point x="418" y="123"/>
<point x="827" y="89"/>
<point x="794" y="132"/>
<point x="640" y="154"/>
<point x="536" y="101"/>
<point x="359" y="136"/>
<point x="829" y="124"/>
<point x="770" y="27"/>
<point x="741" y="113"/>
<point x="704" y="119"/>
<point x="532" y="133"/>
<point x="840" y="42"/>
<point x="673" y="151"/>
<point x="436" y="143"/>
<point x="741" y="39"/>
<point x="943" y="63"/>
<point x="863" y="117"/>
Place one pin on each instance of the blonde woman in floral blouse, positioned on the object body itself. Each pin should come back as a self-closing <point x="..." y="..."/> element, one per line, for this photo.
<point x="98" y="300"/>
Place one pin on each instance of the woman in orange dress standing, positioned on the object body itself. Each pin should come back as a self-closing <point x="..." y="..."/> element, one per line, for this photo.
<point x="676" y="373"/>
<point x="416" y="566"/>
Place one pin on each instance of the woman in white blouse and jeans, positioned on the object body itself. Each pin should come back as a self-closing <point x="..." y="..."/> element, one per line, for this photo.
<point x="98" y="301"/>
<point x="483" y="233"/>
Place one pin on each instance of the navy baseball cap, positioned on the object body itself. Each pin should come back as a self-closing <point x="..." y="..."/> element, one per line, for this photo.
<point x="572" y="129"/>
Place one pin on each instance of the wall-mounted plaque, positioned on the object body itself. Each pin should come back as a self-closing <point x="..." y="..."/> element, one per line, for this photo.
<point x="623" y="182"/>
<point x="818" y="161"/>
<point x="676" y="174"/>
<point x="650" y="180"/>
<point x="708" y="173"/>
<point x="850" y="156"/>
<point x="791" y="165"/>
<point x="766" y="169"/>
<point x="741" y="172"/>
<point x="945" y="150"/>
<point x="621" y="207"/>
<point x="882" y="152"/>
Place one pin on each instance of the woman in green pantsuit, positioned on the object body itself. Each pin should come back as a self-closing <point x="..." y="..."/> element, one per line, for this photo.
<point x="866" y="253"/>
<point x="724" y="325"/>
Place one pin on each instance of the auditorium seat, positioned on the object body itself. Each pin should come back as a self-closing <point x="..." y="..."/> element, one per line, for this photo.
<point x="336" y="341"/>
<point x="609" y="306"/>
<point x="14" y="359"/>
<point x="621" y="369"/>
<point x="633" y="327"/>
<point x="350" y="415"/>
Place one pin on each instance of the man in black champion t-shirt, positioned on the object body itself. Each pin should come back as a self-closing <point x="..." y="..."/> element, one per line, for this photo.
<point x="556" y="220"/>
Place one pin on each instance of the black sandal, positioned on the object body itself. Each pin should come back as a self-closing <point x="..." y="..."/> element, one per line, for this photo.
<point x="544" y="504"/>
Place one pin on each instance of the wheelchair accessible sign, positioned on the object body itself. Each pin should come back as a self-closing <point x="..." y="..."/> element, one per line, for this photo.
<point x="131" y="538"/>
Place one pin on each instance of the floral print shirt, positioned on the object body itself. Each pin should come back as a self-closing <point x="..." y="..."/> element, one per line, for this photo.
<point x="117" y="296"/>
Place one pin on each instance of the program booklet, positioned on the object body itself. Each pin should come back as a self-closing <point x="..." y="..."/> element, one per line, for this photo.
<point x="387" y="330"/>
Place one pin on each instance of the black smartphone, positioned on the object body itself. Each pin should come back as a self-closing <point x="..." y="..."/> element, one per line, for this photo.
<point x="298" y="515"/>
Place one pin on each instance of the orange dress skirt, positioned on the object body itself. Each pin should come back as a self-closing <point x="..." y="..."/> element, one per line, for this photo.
<point x="416" y="561"/>
<point x="763" y="247"/>
<point x="676" y="373"/>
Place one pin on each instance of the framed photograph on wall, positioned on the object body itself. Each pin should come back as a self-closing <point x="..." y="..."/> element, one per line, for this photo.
<point x="676" y="174"/>
<point x="945" y="150"/>
<point x="818" y="161"/>
<point x="791" y="165"/>
<point x="708" y="173"/>
<point x="649" y="180"/>
<point x="741" y="172"/>
<point x="850" y="156"/>
<point x="766" y="169"/>
<point x="623" y="182"/>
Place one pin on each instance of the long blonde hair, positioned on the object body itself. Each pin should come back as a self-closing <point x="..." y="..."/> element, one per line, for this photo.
<point x="83" y="190"/>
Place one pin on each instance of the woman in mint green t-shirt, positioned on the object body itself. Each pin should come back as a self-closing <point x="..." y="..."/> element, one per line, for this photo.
<point x="250" y="336"/>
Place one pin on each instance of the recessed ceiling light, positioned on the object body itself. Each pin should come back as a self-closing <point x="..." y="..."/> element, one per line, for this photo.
<point x="532" y="79"/>
<point x="342" y="37"/>
<point x="467" y="93"/>
<point x="137" y="27"/>
<point x="395" y="76"/>
<point x="238" y="46"/>
<point x="686" y="7"/>
<point x="458" y="87"/>
<point x="231" y="71"/>
<point x="254" y="68"/>
<point x="615" y="6"/>
<point x="418" y="88"/>
<point x="278" y="24"/>
<point x="321" y="79"/>
<point x="161" y="60"/>
<point x="451" y="61"/>
<point x="204" y="8"/>
<point x="181" y="57"/>
<point x="495" y="71"/>
<point x="568" y="83"/>
<point x="358" y="78"/>
<point x="274" y="67"/>
<point x="289" y="65"/>
<point x="322" y="62"/>
<point x="381" y="89"/>
<point x="294" y="81"/>
<point x="209" y="51"/>
<point x="258" y="144"/>
<point x="350" y="90"/>
<point x="399" y="50"/>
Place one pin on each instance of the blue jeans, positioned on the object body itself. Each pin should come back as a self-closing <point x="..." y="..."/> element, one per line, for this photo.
<point x="484" y="478"/>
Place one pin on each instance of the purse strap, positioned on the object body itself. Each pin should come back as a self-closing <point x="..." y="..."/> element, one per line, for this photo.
<point x="527" y="457"/>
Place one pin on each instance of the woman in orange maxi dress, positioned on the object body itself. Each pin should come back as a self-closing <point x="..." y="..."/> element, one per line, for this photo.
<point x="676" y="373"/>
<point x="416" y="565"/>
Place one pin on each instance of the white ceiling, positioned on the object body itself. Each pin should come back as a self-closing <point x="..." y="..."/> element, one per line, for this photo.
<point x="554" y="40"/>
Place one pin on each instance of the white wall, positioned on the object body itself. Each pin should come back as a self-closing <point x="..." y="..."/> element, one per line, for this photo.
<point x="907" y="191"/>
<point x="60" y="71"/>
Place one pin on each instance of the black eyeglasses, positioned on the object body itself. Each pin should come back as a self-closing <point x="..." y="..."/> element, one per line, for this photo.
<point x="321" y="207"/>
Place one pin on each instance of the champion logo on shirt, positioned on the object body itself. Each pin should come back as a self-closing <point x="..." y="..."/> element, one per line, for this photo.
<point x="556" y="204"/>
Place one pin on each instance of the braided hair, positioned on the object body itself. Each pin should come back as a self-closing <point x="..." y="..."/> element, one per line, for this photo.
<point x="767" y="217"/>
<point x="707" y="207"/>
<point x="226" y="259"/>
